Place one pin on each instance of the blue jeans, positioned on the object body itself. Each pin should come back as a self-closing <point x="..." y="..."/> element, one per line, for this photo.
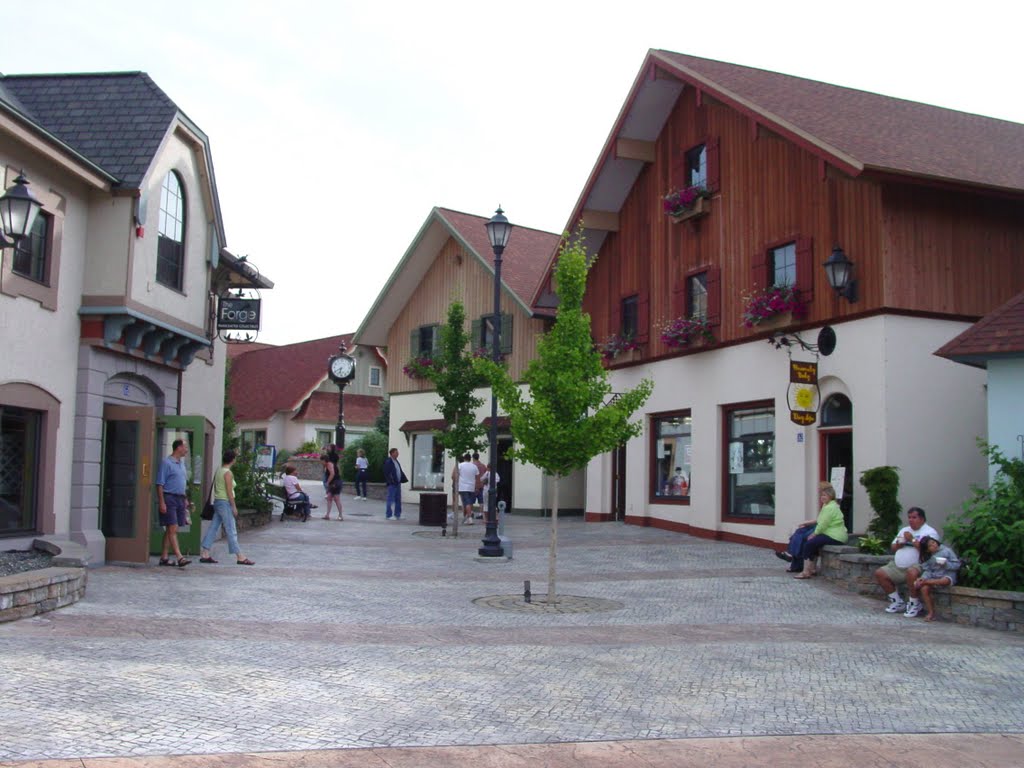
<point x="361" y="482"/>
<point x="394" y="500"/>
<point x="222" y="516"/>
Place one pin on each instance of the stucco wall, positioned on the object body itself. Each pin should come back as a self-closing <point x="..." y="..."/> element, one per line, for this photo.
<point x="909" y="409"/>
<point x="1005" y="406"/>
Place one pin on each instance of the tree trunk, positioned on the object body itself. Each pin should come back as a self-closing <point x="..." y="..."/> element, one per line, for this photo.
<point x="553" y="551"/>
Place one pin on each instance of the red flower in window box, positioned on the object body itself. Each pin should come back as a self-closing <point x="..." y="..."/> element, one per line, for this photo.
<point x="777" y="300"/>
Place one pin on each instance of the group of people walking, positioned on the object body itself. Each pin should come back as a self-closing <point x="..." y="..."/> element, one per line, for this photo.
<point x="920" y="561"/>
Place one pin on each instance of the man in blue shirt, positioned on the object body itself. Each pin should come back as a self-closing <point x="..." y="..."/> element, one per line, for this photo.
<point x="171" y="488"/>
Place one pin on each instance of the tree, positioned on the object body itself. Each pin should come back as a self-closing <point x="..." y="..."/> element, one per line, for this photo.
<point x="381" y="423"/>
<point x="455" y="380"/>
<point x="569" y="418"/>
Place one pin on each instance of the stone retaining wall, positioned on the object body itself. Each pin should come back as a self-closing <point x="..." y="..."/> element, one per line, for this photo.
<point x="26" y="594"/>
<point x="990" y="608"/>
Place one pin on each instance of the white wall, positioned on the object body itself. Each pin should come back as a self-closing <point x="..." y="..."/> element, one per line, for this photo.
<point x="910" y="409"/>
<point x="1006" y="406"/>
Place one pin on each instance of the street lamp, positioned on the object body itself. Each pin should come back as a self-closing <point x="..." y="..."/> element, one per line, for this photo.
<point x="18" y="211"/>
<point x="839" y="271"/>
<point x="498" y="230"/>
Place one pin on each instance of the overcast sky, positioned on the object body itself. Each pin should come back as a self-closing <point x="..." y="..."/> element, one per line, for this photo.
<point x="336" y="126"/>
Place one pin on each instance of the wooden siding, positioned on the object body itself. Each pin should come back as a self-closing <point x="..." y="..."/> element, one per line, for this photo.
<point x="456" y="275"/>
<point x="917" y="249"/>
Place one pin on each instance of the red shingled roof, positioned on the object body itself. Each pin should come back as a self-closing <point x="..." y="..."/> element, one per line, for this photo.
<point x="264" y="381"/>
<point x="526" y="256"/>
<point x="360" y="410"/>
<point x="1000" y="333"/>
<point x="878" y="132"/>
<point x="236" y="350"/>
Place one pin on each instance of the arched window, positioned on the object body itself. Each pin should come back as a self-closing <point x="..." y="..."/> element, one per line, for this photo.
<point x="837" y="412"/>
<point x="170" y="255"/>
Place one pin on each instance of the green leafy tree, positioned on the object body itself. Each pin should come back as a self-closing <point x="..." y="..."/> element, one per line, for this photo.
<point x="382" y="423"/>
<point x="568" y="417"/>
<point x="989" y="533"/>
<point x="375" y="446"/>
<point x="883" y="487"/>
<point x="456" y="382"/>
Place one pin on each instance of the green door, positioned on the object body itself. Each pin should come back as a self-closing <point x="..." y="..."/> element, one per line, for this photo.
<point x="197" y="432"/>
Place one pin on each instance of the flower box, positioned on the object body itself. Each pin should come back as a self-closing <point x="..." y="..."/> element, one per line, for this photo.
<point x="772" y="307"/>
<point x="780" y="320"/>
<point x="701" y="207"/>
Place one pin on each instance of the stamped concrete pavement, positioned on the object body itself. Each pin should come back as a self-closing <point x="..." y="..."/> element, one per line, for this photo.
<point x="379" y="640"/>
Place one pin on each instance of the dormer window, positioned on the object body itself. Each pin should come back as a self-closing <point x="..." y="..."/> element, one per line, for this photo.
<point x="170" y="256"/>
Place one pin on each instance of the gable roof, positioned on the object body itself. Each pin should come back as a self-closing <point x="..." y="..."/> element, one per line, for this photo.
<point x="360" y="410"/>
<point x="117" y="120"/>
<point x="855" y="131"/>
<point x="866" y="131"/>
<point x="265" y="381"/>
<point x="523" y="266"/>
<point x="998" y="334"/>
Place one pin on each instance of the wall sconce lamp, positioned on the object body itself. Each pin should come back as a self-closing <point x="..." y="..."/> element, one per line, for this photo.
<point x="18" y="211"/>
<point x="839" y="270"/>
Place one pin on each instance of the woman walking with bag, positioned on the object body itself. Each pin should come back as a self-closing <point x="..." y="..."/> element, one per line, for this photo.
<point x="225" y="513"/>
<point x="333" y="481"/>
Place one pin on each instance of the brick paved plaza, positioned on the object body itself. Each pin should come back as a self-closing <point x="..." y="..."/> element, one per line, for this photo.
<point x="364" y="635"/>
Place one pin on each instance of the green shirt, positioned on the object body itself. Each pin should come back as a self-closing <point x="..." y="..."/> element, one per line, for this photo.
<point x="831" y="523"/>
<point x="220" y="486"/>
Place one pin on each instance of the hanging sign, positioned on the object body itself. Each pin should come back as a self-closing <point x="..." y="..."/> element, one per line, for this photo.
<point x="803" y="394"/>
<point x="235" y="314"/>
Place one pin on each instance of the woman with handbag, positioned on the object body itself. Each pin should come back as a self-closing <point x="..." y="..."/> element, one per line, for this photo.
<point x="332" y="480"/>
<point x="225" y="513"/>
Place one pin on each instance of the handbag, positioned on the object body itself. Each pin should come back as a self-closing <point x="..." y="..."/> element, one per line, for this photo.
<point x="207" y="513"/>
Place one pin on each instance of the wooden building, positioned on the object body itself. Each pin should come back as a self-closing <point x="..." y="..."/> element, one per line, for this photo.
<point x="925" y="203"/>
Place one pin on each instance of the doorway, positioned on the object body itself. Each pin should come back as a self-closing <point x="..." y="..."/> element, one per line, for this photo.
<point x="836" y="436"/>
<point x="126" y="494"/>
<point x="505" y="473"/>
<point x="619" y="483"/>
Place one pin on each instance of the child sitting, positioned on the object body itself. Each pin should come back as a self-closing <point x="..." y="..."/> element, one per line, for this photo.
<point x="938" y="568"/>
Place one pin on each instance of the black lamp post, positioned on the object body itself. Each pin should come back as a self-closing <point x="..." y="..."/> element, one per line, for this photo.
<point x="498" y="230"/>
<point x="18" y="211"/>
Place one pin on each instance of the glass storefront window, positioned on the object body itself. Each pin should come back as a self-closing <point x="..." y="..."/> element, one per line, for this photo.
<point x="20" y="431"/>
<point x="427" y="463"/>
<point x="673" y="447"/>
<point x="750" y="463"/>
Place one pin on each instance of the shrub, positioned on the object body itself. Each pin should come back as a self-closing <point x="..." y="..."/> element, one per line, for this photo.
<point x="873" y="545"/>
<point x="250" y="485"/>
<point x="376" y="447"/>
<point x="309" y="446"/>
<point x="883" y="485"/>
<point x="989" y="534"/>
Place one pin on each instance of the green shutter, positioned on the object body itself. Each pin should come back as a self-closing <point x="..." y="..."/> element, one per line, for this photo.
<point x="506" y="333"/>
<point x="477" y="335"/>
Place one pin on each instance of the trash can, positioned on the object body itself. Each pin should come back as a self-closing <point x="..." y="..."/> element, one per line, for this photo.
<point x="434" y="509"/>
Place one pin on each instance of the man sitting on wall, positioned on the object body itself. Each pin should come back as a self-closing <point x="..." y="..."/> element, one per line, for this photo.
<point x="905" y="555"/>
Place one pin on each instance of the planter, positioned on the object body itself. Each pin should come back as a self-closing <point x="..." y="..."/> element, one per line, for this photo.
<point x="701" y="207"/>
<point x="780" y="320"/>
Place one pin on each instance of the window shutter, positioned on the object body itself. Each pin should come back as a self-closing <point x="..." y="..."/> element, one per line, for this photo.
<point x="711" y="145"/>
<point x="435" y="340"/>
<point x="714" y="286"/>
<point x="615" y="325"/>
<point x="679" y="299"/>
<point x="476" y="339"/>
<point x="643" y="317"/>
<point x="805" y="267"/>
<point x="506" y="333"/>
<point x="760" y="270"/>
<point x="414" y="343"/>
<point x="678" y="180"/>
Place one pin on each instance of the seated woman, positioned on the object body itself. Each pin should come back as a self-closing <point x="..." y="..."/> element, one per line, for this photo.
<point x="830" y="528"/>
<point x="293" y="491"/>
<point x="938" y="568"/>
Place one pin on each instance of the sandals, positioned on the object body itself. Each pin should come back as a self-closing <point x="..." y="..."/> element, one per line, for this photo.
<point x="182" y="562"/>
<point x="166" y="561"/>
<point x="247" y="561"/>
<point x="207" y="560"/>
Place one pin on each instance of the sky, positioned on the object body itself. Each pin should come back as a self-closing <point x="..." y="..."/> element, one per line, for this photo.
<point x="337" y="126"/>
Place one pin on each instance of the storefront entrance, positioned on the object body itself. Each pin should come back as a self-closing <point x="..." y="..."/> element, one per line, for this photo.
<point x="126" y="492"/>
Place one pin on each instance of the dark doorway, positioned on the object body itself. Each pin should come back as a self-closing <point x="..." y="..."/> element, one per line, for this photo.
<point x="619" y="483"/>
<point x="505" y="472"/>
<point x="836" y="435"/>
<point x="127" y="478"/>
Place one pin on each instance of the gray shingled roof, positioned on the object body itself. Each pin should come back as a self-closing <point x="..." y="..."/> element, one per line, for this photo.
<point x="116" y="120"/>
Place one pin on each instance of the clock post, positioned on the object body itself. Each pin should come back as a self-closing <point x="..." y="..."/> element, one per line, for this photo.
<point x="341" y="368"/>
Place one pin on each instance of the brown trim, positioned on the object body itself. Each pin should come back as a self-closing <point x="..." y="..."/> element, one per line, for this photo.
<point x="701" y="533"/>
<point x="652" y="469"/>
<point x="14" y="284"/>
<point x="725" y="410"/>
<point x="129" y="303"/>
<point x="35" y="398"/>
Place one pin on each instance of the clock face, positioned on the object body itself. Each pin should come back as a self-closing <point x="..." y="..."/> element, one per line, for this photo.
<point x="342" y="367"/>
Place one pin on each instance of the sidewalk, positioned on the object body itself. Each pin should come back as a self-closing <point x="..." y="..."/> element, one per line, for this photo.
<point x="373" y="642"/>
